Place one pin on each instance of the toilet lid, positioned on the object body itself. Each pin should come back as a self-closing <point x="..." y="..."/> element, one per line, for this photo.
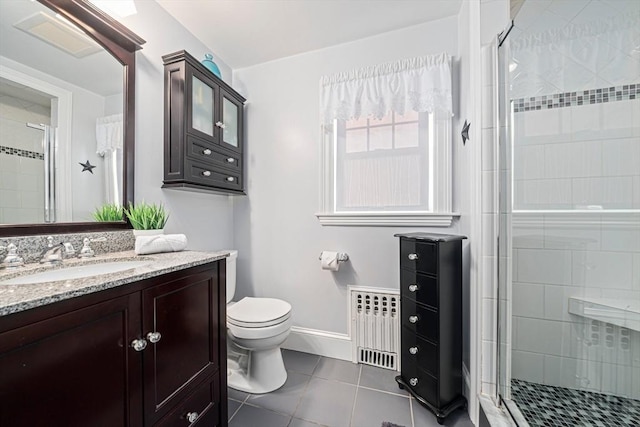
<point x="258" y="312"/>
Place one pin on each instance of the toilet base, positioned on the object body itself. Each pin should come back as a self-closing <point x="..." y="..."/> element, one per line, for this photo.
<point x="264" y="372"/>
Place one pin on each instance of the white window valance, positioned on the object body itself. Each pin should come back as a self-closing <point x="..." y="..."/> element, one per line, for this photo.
<point x="421" y="84"/>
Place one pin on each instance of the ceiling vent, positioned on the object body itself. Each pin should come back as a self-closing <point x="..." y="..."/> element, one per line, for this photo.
<point x="59" y="33"/>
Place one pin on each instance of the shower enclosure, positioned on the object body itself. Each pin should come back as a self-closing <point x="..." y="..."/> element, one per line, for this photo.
<point x="569" y="221"/>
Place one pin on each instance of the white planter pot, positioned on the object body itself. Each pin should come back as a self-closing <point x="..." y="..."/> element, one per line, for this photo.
<point x="148" y="232"/>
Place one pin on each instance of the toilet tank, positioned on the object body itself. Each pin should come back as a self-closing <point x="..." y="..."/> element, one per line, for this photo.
<point x="231" y="274"/>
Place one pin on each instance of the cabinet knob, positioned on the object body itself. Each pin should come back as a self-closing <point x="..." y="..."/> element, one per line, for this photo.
<point x="206" y="173"/>
<point x="413" y="382"/>
<point x="192" y="417"/>
<point x="413" y="257"/>
<point x="231" y="160"/>
<point x="413" y="350"/>
<point x="230" y="179"/>
<point x="413" y="288"/>
<point x="221" y="125"/>
<point x="139" y="345"/>
<point x="154" y="337"/>
<point x="413" y="319"/>
<point x="206" y="152"/>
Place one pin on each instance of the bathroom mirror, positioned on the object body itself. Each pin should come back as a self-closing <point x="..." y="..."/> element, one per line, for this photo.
<point x="67" y="75"/>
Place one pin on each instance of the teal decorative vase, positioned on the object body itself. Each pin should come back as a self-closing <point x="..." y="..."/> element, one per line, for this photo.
<point x="208" y="62"/>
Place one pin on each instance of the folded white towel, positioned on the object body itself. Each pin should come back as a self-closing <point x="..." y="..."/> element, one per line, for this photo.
<point x="160" y="243"/>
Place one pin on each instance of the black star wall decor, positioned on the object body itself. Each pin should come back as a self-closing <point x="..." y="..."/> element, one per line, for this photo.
<point x="87" y="167"/>
<point x="465" y="132"/>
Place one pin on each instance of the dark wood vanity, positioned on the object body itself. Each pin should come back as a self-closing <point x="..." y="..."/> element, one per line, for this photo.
<point x="148" y="353"/>
<point x="203" y="134"/>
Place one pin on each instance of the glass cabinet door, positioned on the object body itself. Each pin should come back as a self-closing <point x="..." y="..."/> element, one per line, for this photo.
<point x="202" y="107"/>
<point x="231" y="119"/>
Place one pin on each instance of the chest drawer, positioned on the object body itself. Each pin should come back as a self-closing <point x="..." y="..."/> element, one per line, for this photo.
<point x="419" y="256"/>
<point x="419" y="352"/>
<point x="208" y="154"/>
<point x="422" y="383"/>
<point x="419" y="287"/>
<point x="205" y="174"/>
<point x="420" y="319"/>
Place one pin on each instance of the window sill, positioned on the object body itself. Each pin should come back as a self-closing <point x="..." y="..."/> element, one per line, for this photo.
<point x="387" y="220"/>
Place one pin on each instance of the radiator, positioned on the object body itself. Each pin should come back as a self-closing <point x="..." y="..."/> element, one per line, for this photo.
<point x="375" y="326"/>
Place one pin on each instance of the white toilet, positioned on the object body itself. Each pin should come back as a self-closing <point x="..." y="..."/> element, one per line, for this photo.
<point x="256" y="327"/>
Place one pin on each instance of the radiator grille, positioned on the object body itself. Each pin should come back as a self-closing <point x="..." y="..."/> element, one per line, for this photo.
<point x="376" y="328"/>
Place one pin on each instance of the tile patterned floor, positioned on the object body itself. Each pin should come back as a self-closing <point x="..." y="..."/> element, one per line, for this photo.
<point x="333" y="393"/>
<point x="549" y="406"/>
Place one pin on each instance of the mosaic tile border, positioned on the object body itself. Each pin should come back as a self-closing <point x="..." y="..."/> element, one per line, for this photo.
<point x="21" y="153"/>
<point x="570" y="99"/>
<point x="551" y="406"/>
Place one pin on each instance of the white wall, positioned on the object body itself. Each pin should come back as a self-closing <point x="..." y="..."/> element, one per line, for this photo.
<point x="206" y="219"/>
<point x="278" y="237"/>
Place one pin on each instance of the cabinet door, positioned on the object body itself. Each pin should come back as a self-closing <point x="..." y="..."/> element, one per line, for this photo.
<point x="184" y="313"/>
<point x="75" y="369"/>
<point x="201" y="106"/>
<point x="232" y="121"/>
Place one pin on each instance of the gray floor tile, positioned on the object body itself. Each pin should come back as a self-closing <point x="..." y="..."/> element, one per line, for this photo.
<point x="232" y="406"/>
<point x="338" y="370"/>
<point x="327" y="402"/>
<point x="286" y="398"/>
<point x="297" y="361"/>
<point x="380" y="379"/>
<point x="236" y="394"/>
<point x="375" y="407"/>
<point x="250" y="416"/>
<point x="422" y="417"/>
<point x="302" y="423"/>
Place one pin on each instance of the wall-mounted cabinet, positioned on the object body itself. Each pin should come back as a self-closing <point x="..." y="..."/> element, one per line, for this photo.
<point x="203" y="130"/>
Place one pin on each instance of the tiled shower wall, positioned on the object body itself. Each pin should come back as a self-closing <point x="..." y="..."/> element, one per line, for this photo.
<point x="586" y="255"/>
<point x="21" y="161"/>
<point x="579" y="156"/>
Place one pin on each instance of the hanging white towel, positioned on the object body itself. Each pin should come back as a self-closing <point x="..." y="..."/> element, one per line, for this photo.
<point x="160" y="243"/>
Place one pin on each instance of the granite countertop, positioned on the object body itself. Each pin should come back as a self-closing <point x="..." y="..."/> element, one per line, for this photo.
<point x="16" y="298"/>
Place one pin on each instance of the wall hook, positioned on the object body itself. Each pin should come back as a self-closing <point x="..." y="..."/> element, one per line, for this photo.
<point x="465" y="132"/>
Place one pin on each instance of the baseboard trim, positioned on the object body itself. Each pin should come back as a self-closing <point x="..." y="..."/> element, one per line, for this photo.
<point x="322" y="343"/>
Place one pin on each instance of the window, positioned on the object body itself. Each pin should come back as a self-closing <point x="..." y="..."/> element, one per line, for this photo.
<point x="386" y="144"/>
<point x="378" y="164"/>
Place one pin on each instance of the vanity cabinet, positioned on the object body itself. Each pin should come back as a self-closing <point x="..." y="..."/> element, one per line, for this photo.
<point x="203" y="134"/>
<point x="148" y="353"/>
<point x="431" y="312"/>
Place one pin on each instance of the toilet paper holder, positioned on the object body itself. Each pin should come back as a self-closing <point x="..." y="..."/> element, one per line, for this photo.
<point x="342" y="257"/>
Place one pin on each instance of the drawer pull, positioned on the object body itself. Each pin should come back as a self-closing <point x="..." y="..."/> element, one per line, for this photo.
<point x="413" y="350"/>
<point x="413" y="288"/>
<point x="413" y="319"/>
<point x="206" y="152"/>
<point x="413" y="382"/>
<point x="231" y="160"/>
<point x="139" y="345"/>
<point x="230" y="179"/>
<point x="206" y="173"/>
<point x="413" y="257"/>
<point x="192" y="417"/>
<point x="154" y="337"/>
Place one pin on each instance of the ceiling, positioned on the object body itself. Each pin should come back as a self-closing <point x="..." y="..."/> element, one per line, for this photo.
<point x="248" y="32"/>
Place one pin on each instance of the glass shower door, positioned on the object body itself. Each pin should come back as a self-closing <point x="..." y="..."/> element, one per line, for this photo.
<point x="569" y="260"/>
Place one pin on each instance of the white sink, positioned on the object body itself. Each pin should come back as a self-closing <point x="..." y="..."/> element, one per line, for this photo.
<point x="77" y="272"/>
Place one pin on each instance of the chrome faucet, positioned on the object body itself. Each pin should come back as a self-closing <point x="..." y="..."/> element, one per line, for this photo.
<point x="12" y="259"/>
<point x="54" y="254"/>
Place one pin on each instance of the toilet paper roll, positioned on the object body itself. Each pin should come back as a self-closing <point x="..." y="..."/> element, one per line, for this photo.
<point x="329" y="260"/>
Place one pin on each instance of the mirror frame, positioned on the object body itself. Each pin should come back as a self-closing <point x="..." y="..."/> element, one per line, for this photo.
<point x="122" y="44"/>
